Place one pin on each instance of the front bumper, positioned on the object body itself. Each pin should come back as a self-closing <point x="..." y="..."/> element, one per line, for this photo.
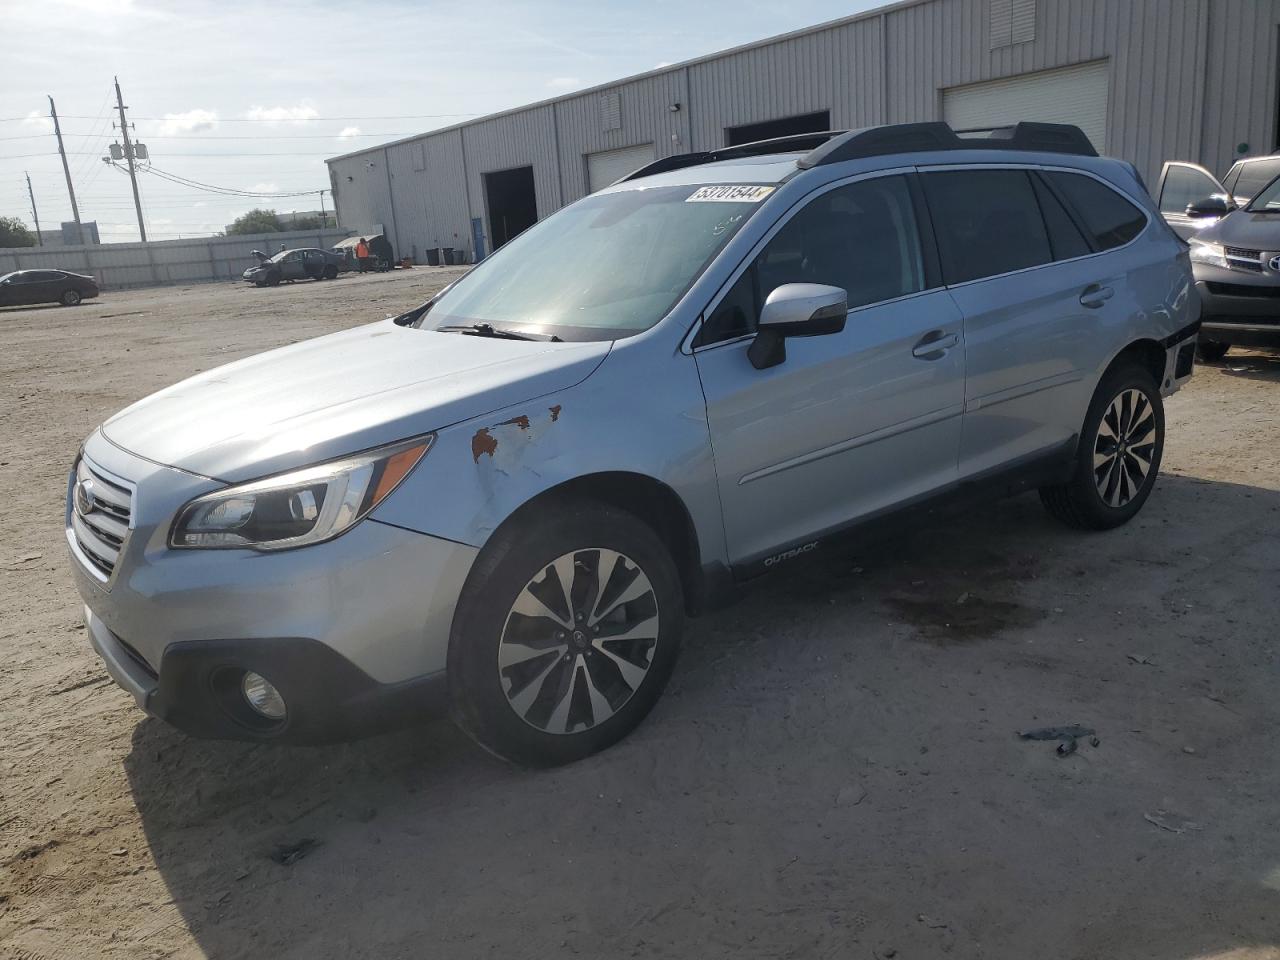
<point x="327" y="697"/>
<point x="352" y="630"/>
<point x="1240" y="310"/>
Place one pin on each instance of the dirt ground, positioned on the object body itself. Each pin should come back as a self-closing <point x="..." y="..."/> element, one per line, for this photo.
<point x="834" y="771"/>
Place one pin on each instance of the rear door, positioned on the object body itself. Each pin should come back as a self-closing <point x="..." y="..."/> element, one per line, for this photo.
<point x="849" y="423"/>
<point x="1182" y="184"/>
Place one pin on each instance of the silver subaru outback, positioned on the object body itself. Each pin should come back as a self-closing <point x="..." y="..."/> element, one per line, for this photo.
<point x="510" y="499"/>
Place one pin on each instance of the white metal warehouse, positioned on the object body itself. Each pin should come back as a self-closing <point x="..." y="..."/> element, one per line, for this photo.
<point x="1148" y="80"/>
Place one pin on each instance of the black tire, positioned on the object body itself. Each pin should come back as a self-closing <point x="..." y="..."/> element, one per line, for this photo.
<point x="70" y="298"/>
<point x="1080" y="502"/>
<point x="1211" y="351"/>
<point x="273" y="279"/>
<point x="330" y="272"/>
<point x="519" y="554"/>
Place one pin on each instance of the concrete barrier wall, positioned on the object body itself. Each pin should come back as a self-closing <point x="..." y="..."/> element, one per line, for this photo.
<point x="118" y="266"/>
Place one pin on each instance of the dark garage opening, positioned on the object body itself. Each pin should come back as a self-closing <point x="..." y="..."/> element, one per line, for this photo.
<point x="783" y="127"/>
<point x="513" y="207"/>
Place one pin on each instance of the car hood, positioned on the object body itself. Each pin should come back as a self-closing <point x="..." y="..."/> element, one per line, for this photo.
<point x="1240" y="228"/>
<point x="349" y="391"/>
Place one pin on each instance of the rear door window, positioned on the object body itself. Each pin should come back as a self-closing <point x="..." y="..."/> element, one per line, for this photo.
<point x="1111" y="219"/>
<point x="862" y="237"/>
<point x="987" y="223"/>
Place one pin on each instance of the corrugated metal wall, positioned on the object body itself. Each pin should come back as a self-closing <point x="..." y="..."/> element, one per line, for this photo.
<point x="1188" y="79"/>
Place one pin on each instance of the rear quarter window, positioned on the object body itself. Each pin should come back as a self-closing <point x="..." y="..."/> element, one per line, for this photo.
<point x="1109" y="219"/>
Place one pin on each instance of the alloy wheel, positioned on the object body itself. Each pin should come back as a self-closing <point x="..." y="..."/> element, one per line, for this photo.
<point x="578" y="641"/>
<point x="1124" y="447"/>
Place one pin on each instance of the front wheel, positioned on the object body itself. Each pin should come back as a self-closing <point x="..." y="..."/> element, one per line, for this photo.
<point x="1119" y="454"/>
<point x="70" y="298"/>
<point x="566" y="634"/>
<point x="273" y="279"/>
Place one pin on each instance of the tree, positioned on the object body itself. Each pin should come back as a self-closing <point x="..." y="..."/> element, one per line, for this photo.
<point x="256" y="221"/>
<point x="14" y="233"/>
<point x="306" y="223"/>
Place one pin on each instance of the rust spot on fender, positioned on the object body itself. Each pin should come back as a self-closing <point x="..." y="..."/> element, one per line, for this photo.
<point x="521" y="421"/>
<point x="555" y="413"/>
<point x="483" y="443"/>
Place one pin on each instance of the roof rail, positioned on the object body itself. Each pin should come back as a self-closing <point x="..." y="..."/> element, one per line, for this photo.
<point x="794" y="143"/>
<point x="936" y="135"/>
<point x="836" y="146"/>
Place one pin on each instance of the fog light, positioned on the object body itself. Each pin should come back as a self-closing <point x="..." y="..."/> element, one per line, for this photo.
<point x="264" y="698"/>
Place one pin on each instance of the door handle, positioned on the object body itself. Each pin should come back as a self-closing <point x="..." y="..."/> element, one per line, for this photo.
<point x="1095" y="295"/>
<point x="934" y="344"/>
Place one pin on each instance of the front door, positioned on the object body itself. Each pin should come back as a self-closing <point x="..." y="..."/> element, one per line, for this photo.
<point x="1182" y="184"/>
<point x="850" y="423"/>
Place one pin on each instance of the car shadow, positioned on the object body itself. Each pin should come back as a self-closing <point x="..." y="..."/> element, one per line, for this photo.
<point x="833" y="771"/>
<point x="1255" y="365"/>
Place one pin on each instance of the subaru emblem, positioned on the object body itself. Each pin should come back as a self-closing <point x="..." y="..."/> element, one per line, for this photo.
<point x="84" y="499"/>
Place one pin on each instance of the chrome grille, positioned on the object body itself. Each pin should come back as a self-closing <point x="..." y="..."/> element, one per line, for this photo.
<point x="101" y="508"/>
<point x="1238" y="258"/>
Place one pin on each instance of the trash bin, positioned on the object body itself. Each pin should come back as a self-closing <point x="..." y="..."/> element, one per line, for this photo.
<point x="446" y="255"/>
<point x="459" y="258"/>
<point x="433" y="256"/>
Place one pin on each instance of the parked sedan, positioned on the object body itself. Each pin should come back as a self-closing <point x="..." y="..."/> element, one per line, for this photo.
<point x="26" y="287"/>
<point x="307" y="263"/>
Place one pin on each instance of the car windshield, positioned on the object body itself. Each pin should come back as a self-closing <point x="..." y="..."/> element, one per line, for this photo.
<point x="606" y="267"/>
<point x="280" y="256"/>
<point x="6" y="276"/>
<point x="1268" y="198"/>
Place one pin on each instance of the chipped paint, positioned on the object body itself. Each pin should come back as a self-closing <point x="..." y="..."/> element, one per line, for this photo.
<point x="521" y="421"/>
<point x="555" y="412"/>
<point x="483" y="442"/>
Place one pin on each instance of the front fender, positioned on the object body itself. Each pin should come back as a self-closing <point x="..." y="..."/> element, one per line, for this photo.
<point x="641" y="412"/>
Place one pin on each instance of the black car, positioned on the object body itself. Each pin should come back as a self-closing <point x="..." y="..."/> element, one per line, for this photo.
<point x="1235" y="256"/>
<point x="24" y="287"/>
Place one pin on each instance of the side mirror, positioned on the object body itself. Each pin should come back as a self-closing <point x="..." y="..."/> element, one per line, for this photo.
<point x="796" y="310"/>
<point x="1212" y="206"/>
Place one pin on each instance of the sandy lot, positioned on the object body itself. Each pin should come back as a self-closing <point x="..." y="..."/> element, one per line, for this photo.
<point x="834" y="771"/>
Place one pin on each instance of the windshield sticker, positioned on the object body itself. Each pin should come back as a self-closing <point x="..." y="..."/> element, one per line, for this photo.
<point x="741" y="193"/>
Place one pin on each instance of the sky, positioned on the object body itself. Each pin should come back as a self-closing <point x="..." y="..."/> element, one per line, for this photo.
<point x="254" y="96"/>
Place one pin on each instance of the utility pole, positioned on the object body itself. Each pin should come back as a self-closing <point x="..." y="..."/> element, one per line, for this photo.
<point x="75" y="210"/>
<point x="34" y="216"/>
<point x="128" y="155"/>
<point x="324" y="217"/>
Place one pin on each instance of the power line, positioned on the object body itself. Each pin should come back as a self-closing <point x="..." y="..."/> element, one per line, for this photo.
<point x="228" y="191"/>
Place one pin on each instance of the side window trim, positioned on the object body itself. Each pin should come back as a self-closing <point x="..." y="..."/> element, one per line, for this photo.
<point x="690" y="338"/>
<point x="928" y="237"/>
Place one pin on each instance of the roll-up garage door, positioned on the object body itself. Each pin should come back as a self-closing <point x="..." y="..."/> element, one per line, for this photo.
<point x="1075" y="95"/>
<point x="609" y="165"/>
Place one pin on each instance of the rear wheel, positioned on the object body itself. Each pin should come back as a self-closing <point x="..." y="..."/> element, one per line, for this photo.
<point x="70" y="298"/>
<point x="566" y="634"/>
<point x="1121" y="444"/>
<point x="330" y="272"/>
<point x="1211" y="351"/>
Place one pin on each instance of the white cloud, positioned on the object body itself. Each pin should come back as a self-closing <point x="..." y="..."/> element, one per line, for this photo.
<point x="188" y="122"/>
<point x="38" y="121"/>
<point x="302" y="113"/>
<point x="264" y="188"/>
<point x="348" y="133"/>
<point x="661" y="63"/>
<point x="564" y="83"/>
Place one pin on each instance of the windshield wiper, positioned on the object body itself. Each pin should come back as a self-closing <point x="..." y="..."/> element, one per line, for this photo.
<point x="498" y="333"/>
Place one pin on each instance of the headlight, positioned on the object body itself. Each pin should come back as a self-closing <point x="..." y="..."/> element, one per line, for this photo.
<point x="297" y="508"/>
<point x="1214" y="254"/>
